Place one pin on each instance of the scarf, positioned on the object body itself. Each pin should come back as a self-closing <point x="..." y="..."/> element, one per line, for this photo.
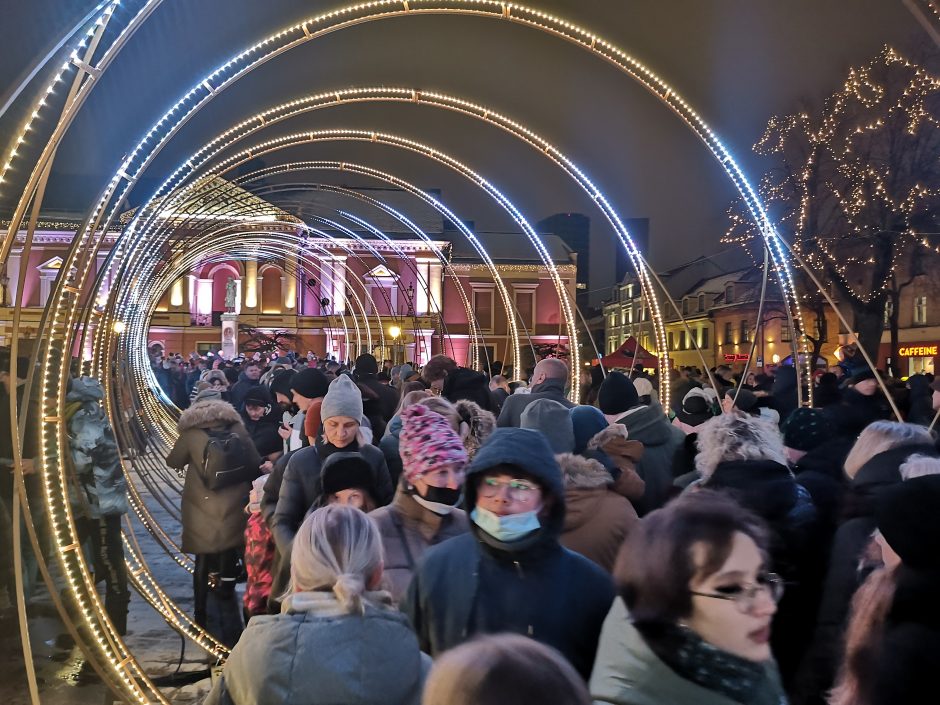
<point x="694" y="659"/>
<point x="327" y="449"/>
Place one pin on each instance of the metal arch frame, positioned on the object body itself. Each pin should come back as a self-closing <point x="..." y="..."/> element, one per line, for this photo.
<point x="53" y="382"/>
<point x="325" y="99"/>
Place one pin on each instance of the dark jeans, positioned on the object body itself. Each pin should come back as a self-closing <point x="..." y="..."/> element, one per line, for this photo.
<point x="216" y="605"/>
<point x="101" y="539"/>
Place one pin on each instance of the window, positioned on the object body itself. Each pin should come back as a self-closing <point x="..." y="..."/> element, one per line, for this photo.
<point x="729" y="334"/>
<point x="672" y="341"/>
<point x="685" y="307"/>
<point x="629" y="291"/>
<point x="703" y="339"/>
<point x="729" y="294"/>
<point x="889" y="311"/>
<point x="745" y="336"/>
<point x="920" y="310"/>
<point x="646" y="314"/>
<point x="624" y="314"/>
<point x="629" y="314"/>
<point x="525" y="307"/>
<point x="611" y="346"/>
<point x="701" y="302"/>
<point x="682" y="340"/>
<point x="786" y="334"/>
<point x="483" y="308"/>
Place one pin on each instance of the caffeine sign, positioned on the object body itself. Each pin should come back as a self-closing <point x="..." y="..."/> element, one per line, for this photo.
<point x="918" y="351"/>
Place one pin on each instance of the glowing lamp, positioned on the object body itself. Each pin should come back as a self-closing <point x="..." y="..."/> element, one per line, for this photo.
<point x="119" y="327"/>
<point x="394" y="331"/>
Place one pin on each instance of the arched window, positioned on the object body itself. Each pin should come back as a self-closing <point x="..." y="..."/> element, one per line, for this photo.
<point x="272" y="300"/>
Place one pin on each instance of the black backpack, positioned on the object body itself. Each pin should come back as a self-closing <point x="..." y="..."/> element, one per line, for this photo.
<point x="223" y="460"/>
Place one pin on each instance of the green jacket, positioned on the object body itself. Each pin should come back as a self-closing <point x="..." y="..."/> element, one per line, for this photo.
<point x="627" y="672"/>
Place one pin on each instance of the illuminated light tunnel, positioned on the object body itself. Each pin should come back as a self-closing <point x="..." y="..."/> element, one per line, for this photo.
<point x="118" y="325"/>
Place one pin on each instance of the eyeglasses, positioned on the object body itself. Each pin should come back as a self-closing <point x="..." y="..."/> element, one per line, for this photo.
<point x="745" y="596"/>
<point x="518" y="490"/>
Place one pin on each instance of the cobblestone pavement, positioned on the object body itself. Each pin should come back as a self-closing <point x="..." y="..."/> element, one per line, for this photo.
<point x="155" y="645"/>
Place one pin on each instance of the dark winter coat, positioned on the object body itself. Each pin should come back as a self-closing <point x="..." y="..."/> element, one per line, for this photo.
<point x="389" y="446"/>
<point x="511" y="413"/>
<point x="597" y="519"/>
<point x="408" y="530"/>
<point x="796" y="549"/>
<point x="474" y="584"/>
<point x="921" y="401"/>
<point x="213" y="521"/>
<point x="906" y="671"/>
<point x="264" y="434"/>
<point x="660" y="441"/>
<point x="240" y="389"/>
<point x="845" y="567"/>
<point x="301" y="488"/>
<point x="856" y="411"/>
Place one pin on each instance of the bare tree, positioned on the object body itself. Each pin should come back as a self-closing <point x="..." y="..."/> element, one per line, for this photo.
<point x="856" y="191"/>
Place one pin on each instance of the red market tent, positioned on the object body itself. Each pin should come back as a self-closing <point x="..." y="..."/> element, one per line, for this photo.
<point x="628" y="355"/>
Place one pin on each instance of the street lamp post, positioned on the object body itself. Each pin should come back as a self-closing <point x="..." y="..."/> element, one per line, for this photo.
<point x="395" y="332"/>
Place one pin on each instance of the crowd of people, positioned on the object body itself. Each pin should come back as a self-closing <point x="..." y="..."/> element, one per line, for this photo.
<point x="736" y="547"/>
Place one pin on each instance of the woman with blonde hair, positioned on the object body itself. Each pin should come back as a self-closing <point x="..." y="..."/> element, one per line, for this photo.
<point x="337" y="639"/>
<point x="872" y="467"/>
<point x="504" y="668"/>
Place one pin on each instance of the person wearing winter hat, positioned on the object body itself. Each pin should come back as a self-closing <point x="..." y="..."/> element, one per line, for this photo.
<point x="553" y="420"/>
<point x="347" y="478"/>
<point x="463" y="383"/>
<point x="694" y="410"/>
<point x="379" y="400"/>
<point x="620" y="403"/>
<point x="510" y="573"/>
<point x="302" y="488"/>
<point x="892" y="645"/>
<point x="423" y="512"/>
<point x="309" y="386"/>
<point x="644" y="390"/>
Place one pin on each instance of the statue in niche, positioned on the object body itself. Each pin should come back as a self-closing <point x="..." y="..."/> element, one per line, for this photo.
<point x="230" y="295"/>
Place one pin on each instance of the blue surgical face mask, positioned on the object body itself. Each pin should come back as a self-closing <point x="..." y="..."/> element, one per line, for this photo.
<point x="506" y="528"/>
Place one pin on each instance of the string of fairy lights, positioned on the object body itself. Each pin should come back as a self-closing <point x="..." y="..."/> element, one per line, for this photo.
<point x="69" y="302"/>
<point x="848" y="159"/>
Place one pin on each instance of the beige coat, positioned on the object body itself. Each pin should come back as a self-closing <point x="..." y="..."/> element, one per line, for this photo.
<point x="408" y="530"/>
<point x="597" y="519"/>
<point x="213" y="521"/>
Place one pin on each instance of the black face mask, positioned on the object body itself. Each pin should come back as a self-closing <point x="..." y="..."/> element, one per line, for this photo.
<point x="289" y="407"/>
<point x="441" y="495"/>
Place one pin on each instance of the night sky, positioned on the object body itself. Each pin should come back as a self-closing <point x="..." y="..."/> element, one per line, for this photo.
<point x="735" y="61"/>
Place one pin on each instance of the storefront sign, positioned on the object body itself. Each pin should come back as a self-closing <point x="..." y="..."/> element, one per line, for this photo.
<point x="918" y="351"/>
<point x="737" y="358"/>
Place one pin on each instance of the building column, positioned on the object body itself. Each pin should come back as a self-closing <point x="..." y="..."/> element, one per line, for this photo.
<point x="435" y="281"/>
<point x="423" y="285"/>
<point x="290" y="290"/>
<point x="252" y="286"/>
<point x="339" y="291"/>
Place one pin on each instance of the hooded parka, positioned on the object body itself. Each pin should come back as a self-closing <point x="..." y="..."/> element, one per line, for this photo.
<point x="476" y="584"/>
<point x="213" y="521"/>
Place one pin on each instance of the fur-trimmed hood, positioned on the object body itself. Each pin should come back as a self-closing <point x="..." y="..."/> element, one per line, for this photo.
<point x="206" y="414"/>
<point x="476" y="425"/>
<point x="617" y="436"/>
<point x="583" y="473"/>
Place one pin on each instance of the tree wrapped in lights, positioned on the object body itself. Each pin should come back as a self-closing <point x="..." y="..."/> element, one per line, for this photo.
<point x="856" y="191"/>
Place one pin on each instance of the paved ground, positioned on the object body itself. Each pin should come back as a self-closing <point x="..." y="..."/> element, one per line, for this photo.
<point x="156" y="645"/>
